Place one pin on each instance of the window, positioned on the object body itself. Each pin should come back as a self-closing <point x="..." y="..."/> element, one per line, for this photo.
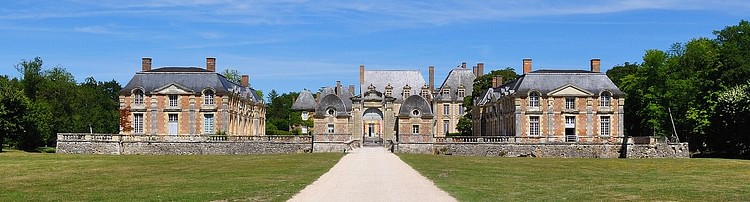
<point x="407" y="93"/>
<point x="208" y="97"/>
<point x="570" y="103"/>
<point x="604" y="122"/>
<point x="534" y="99"/>
<point x="461" y="109"/>
<point x="331" y="112"/>
<point x="534" y="126"/>
<point x="461" y="92"/>
<point x="446" y="91"/>
<point x="415" y="129"/>
<point x="305" y="116"/>
<point x="389" y="92"/>
<point x="446" y="126"/>
<point x="605" y="99"/>
<point x="425" y="92"/>
<point x="331" y="129"/>
<point x="208" y="123"/>
<point x="138" y="123"/>
<point x="172" y="118"/>
<point x="415" y="112"/>
<point x="138" y="96"/>
<point x="570" y="122"/>
<point x="446" y="109"/>
<point x="172" y="100"/>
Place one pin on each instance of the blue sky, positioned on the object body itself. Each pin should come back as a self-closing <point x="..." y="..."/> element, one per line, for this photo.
<point x="296" y="44"/>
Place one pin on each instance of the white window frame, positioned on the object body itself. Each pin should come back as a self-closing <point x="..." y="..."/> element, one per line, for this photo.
<point x="446" y="109"/>
<point x="534" y="125"/>
<point x="446" y="125"/>
<point x="208" y="97"/>
<point x="331" y="128"/>
<point x="446" y="91"/>
<point x="389" y="92"/>
<point x="138" y="96"/>
<point x="461" y="109"/>
<point x="415" y="129"/>
<point x="605" y="99"/>
<point x="173" y="100"/>
<point x="138" y="123"/>
<point x="406" y="93"/>
<point x="534" y="99"/>
<point x="570" y="103"/>
<point x="208" y="123"/>
<point x="461" y="92"/>
<point x="605" y="126"/>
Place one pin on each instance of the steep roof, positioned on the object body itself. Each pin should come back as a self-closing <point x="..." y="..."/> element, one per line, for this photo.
<point x="345" y="96"/>
<point x="546" y="81"/>
<point x="415" y="102"/>
<point x="191" y="78"/>
<point x="457" y="77"/>
<point x="396" y="78"/>
<point x="305" y="101"/>
<point x="331" y="101"/>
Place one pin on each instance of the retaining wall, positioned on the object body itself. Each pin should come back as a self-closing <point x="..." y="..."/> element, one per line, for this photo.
<point x="656" y="150"/>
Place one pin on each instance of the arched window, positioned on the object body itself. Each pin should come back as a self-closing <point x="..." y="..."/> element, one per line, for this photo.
<point x="208" y="97"/>
<point x="605" y="99"/>
<point x="138" y="96"/>
<point x="331" y="112"/>
<point x="415" y="112"/>
<point x="534" y="99"/>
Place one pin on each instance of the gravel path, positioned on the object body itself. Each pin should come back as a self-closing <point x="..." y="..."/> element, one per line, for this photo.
<point x="372" y="174"/>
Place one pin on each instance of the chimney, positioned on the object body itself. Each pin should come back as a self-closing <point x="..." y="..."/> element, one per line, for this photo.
<point x="338" y="88"/>
<point x="211" y="64"/>
<point x="432" y="79"/>
<point x="245" y="80"/>
<point x="463" y="65"/>
<point x="351" y="89"/>
<point x="361" y="77"/>
<point x="596" y="65"/>
<point x="480" y="69"/>
<point x="500" y="80"/>
<point x="494" y="82"/>
<point x="526" y="65"/>
<point x="146" y="64"/>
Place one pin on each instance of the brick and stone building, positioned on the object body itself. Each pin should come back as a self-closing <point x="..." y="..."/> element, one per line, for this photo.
<point x="546" y="106"/>
<point x="180" y="101"/>
<point x="390" y="103"/>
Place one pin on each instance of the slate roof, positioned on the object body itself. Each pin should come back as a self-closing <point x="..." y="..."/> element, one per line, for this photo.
<point x="457" y="77"/>
<point x="193" y="78"/>
<point x="345" y="95"/>
<point x="397" y="79"/>
<point x="415" y="102"/>
<point x="546" y="81"/>
<point x="331" y="101"/>
<point x="305" y="101"/>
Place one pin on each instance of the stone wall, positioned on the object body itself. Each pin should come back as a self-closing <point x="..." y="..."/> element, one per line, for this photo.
<point x="87" y="147"/>
<point x="658" y="150"/>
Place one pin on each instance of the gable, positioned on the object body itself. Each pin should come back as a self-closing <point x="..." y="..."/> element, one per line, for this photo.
<point x="172" y="88"/>
<point x="569" y="90"/>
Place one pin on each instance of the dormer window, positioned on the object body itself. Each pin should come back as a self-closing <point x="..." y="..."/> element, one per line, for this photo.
<point x="331" y="112"/>
<point x="208" y="97"/>
<point x="425" y="91"/>
<point x="389" y="90"/>
<point x="534" y="99"/>
<point x="138" y="96"/>
<point x="407" y="91"/>
<point x="461" y="92"/>
<point x="605" y="99"/>
<point x="172" y="100"/>
<point x="446" y="91"/>
<point x="415" y="112"/>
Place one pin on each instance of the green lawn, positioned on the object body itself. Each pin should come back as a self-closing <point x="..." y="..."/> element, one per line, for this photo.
<point x="60" y="177"/>
<point x="552" y="179"/>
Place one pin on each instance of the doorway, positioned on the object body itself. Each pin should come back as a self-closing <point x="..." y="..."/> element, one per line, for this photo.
<point x="370" y="129"/>
<point x="172" y="124"/>
<point x="570" y="129"/>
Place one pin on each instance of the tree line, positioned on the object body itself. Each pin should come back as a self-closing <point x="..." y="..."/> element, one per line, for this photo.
<point x="696" y="92"/>
<point x="44" y="102"/>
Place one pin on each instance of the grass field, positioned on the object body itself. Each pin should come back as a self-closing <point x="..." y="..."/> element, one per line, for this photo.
<point x="548" y="179"/>
<point x="59" y="177"/>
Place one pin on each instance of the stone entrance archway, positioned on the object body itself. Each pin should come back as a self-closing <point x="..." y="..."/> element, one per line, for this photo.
<point x="372" y="126"/>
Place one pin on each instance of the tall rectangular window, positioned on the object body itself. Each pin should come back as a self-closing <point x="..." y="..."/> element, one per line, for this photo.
<point x="461" y="109"/>
<point x="208" y="97"/>
<point x="446" y="109"/>
<point x="534" y="126"/>
<point x="415" y="129"/>
<point x="208" y="123"/>
<point x="604" y="122"/>
<point x="446" y="126"/>
<point x="570" y="103"/>
<point x="138" y="123"/>
<point x="138" y="96"/>
<point x="533" y="99"/>
<point x="461" y="92"/>
<point x="172" y="100"/>
<point x="331" y="129"/>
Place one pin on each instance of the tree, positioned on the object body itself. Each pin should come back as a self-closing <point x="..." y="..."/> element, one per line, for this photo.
<point x="734" y="53"/>
<point x="481" y="84"/>
<point x="13" y="107"/>
<point x="232" y="75"/>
